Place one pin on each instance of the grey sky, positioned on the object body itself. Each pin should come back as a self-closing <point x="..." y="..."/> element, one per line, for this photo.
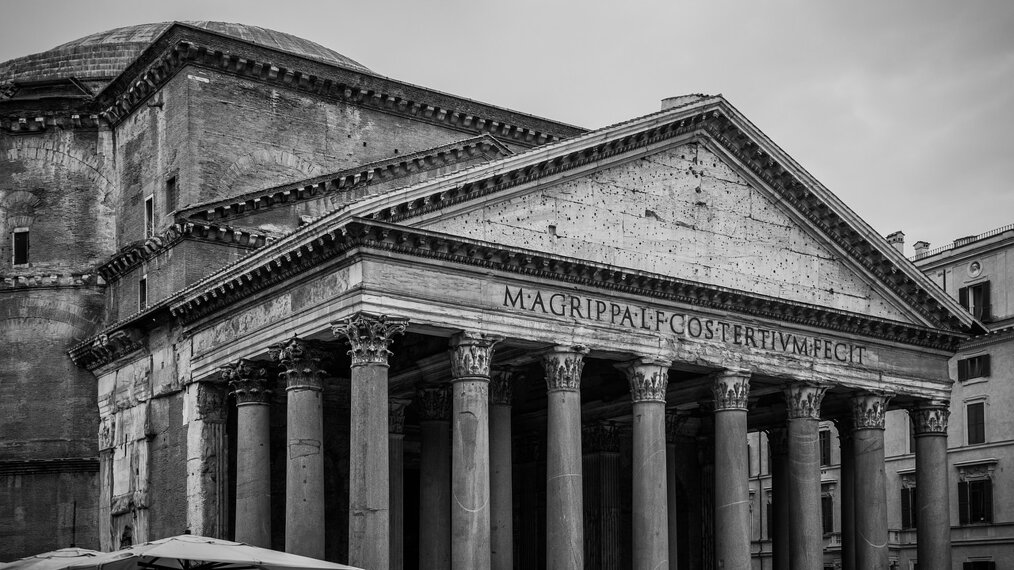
<point x="904" y="109"/>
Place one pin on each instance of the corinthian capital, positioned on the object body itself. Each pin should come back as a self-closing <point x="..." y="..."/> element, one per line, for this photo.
<point x="501" y="386"/>
<point x="434" y="404"/>
<point x="803" y="400"/>
<point x="301" y="361"/>
<point x="369" y="336"/>
<point x="471" y="354"/>
<point x="930" y="419"/>
<point x="869" y="410"/>
<point x="731" y="389"/>
<point x="248" y="381"/>
<point x="648" y="379"/>
<point x="396" y="416"/>
<point x="563" y="366"/>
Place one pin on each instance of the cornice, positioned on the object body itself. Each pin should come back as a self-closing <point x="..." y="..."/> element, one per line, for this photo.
<point x="27" y="122"/>
<point x="348" y="180"/>
<point x="133" y="255"/>
<point x="183" y="45"/>
<point x="365" y="235"/>
<point x="50" y="280"/>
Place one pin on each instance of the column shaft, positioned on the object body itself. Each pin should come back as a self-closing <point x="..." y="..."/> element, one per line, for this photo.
<point x="871" y="507"/>
<point x="805" y="537"/>
<point x="564" y="492"/>
<point x="848" y="510"/>
<point x="304" y="474"/>
<point x="778" y="439"/>
<point x="933" y="520"/>
<point x="253" y="475"/>
<point x="435" y="481"/>
<point x="732" y="500"/>
<point x="396" y="461"/>
<point x="502" y="503"/>
<point x="672" y="503"/>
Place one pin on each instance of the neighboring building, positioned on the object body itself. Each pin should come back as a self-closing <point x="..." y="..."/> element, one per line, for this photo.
<point x="201" y="220"/>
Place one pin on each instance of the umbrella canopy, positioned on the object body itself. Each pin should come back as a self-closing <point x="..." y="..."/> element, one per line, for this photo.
<point x="52" y="560"/>
<point x="192" y="552"/>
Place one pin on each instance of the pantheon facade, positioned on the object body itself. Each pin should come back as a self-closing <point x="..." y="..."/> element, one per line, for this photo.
<point x="327" y="312"/>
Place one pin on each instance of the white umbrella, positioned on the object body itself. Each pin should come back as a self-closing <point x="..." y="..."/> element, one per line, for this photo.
<point x="53" y="560"/>
<point x="192" y="552"/>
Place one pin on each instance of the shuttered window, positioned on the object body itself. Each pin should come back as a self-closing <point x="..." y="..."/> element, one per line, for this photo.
<point x="908" y="509"/>
<point x="975" y="415"/>
<point x="825" y="447"/>
<point x="827" y="513"/>
<point x="976" y="299"/>
<point x="975" y="501"/>
<point x="974" y="367"/>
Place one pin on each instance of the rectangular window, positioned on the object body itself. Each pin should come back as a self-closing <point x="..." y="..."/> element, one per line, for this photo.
<point x="974" y="367"/>
<point x="142" y="293"/>
<point x="979" y="565"/>
<point x="975" y="501"/>
<point x="19" y="239"/>
<point x="827" y="513"/>
<point x="975" y="415"/>
<point x="975" y="298"/>
<point x="149" y="216"/>
<point x="908" y="510"/>
<point x="170" y="194"/>
<point x="825" y="447"/>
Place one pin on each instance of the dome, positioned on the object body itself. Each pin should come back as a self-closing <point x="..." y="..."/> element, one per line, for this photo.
<point x="98" y="58"/>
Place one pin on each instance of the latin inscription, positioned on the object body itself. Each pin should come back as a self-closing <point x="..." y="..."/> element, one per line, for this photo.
<point x="681" y="325"/>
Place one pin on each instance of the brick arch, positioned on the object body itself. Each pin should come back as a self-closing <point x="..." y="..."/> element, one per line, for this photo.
<point x="244" y="175"/>
<point x="33" y="149"/>
<point x="18" y="207"/>
<point x="76" y="314"/>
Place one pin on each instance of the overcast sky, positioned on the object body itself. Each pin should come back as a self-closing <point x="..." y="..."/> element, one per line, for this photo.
<point x="905" y="110"/>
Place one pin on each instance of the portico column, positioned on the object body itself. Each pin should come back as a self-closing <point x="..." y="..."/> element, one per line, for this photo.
<point x="868" y="413"/>
<point x="848" y="494"/>
<point x="805" y="542"/>
<point x="933" y="523"/>
<point x="648" y="381"/>
<point x="673" y="424"/>
<point x="249" y="384"/>
<point x="396" y="458"/>
<point x="778" y="441"/>
<point x="304" y="473"/>
<point x="369" y="336"/>
<point x="732" y="500"/>
<point x="501" y="391"/>
<point x="564" y="494"/>
<point x="434" y="406"/>
<point x="471" y="354"/>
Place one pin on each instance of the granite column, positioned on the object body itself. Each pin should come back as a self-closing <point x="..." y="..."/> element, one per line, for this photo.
<point x="806" y="542"/>
<point x="434" y="406"/>
<point x="564" y="494"/>
<point x="732" y="500"/>
<point x="396" y="459"/>
<point x="933" y="522"/>
<point x="249" y="384"/>
<point x="848" y="494"/>
<point x="501" y="391"/>
<point x="868" y="414"/>
<point x="304" y="474"/>
<point x="778" y="442"/>
<point x="471" y="354"/>
<point x="648" y="382"/>
<point x="369" y="337"/>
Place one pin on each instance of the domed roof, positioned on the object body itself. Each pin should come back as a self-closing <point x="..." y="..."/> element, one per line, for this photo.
<point x="98" y="58"/>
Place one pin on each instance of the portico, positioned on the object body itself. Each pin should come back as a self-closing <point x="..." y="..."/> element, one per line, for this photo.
<point x="579" y="395"/>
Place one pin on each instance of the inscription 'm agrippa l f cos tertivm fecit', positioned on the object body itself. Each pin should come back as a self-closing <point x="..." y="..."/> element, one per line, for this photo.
<point x="681" y="325"/>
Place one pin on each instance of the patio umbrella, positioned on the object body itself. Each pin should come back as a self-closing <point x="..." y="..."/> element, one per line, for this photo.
<point x="192" y="552"/>
<point x="52" y="560"/>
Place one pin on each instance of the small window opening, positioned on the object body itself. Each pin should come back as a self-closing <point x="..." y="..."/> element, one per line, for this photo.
<point x="142" y="293"/>
<point x="171" y="194"/>
<point x="149" y="216"/>
<point x="20" y="239"/>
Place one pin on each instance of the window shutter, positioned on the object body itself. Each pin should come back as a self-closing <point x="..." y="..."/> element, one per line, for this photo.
<point x="963" y="297"/>
<point x="963" y="502"/>
<point x="963" y="369"/>
<point x="985" y="364"/>
<point x="987" y="310"/>
<point x="987" y="498"/>
<point x="906" y="510"/>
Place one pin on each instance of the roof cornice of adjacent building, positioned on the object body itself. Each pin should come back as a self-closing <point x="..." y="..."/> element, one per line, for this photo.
<point x="348" y="179"/>
<point x="965" y="248"/>
<point x="181" y="45"/>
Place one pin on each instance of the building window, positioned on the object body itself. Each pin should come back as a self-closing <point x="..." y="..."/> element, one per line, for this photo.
<point x="170" y="194"/>
<point x="979" y="565"/>
<point x="149" y="216"/>
<point x="825" y="447"/>
<point x="142" y="293"/>
<point x="975" y="298"/>
<point x="827" y="513"/>
<point x="908" y="510"/>
<point x="975" y="501"/>
<point x="19" y="238"/>
<point x="974" y="367"/>
<point x="975" y="416"/>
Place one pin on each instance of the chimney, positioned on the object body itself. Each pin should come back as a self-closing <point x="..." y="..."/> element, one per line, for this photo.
<point x="897" y="239"/>
<point x="921" y="247"/>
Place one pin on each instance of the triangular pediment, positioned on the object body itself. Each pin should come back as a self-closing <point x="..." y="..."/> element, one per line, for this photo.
<point x="684" y="213"/>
